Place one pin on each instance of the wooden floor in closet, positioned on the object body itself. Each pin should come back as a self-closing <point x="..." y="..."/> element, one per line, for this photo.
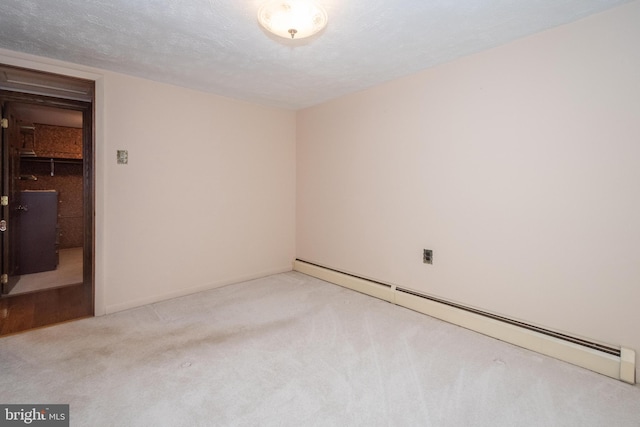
<point x="42" y="308"/>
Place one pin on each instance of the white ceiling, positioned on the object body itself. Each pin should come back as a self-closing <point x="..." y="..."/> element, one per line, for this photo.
<point x="217" y="45"/>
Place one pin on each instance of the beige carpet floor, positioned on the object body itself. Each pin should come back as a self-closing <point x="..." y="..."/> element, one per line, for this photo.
<point x="291" y="350"/>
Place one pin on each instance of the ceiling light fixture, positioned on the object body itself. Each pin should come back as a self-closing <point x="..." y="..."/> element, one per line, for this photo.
<point x="292" y="18"/>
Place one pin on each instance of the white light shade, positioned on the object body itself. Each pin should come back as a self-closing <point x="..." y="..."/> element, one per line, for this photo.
<point x="292" y="18"/>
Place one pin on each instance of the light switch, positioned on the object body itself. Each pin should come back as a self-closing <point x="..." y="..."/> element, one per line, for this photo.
<point x="123" y="157"/>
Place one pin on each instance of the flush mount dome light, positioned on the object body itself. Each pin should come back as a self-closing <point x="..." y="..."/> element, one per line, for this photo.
<point x="292" y="18"/>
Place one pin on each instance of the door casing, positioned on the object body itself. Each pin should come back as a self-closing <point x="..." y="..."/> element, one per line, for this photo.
<point x="86" y="107"/>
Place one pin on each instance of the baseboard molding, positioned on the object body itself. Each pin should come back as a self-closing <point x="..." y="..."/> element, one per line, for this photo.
<point x="113" y="308"/>
<point x="620" y="365"/>
<point x="364" y="286"/>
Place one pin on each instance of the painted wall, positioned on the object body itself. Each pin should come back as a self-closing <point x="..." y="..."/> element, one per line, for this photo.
<point x="519" y="167"/>
<point x="208" y="196"/>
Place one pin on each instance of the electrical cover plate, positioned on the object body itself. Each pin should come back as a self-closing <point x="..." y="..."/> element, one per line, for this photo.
<point x="123" y="157"/>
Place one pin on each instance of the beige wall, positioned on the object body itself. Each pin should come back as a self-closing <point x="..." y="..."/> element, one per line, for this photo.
<point x="518" y="166"/>
<point x="208" y="196"/>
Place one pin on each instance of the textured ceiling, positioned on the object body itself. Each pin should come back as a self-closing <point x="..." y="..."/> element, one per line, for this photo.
<point x="217" y="45"/>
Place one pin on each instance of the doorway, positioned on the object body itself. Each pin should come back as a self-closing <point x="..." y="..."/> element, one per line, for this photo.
<point x="47" y="223"/>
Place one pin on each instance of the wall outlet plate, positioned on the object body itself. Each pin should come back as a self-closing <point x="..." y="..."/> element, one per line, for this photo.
<point x="123" y="157"/>
<point x="427" y="256"/>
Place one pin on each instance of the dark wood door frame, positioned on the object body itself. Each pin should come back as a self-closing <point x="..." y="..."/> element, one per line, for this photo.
<point x="87" y="109"/>
<point x="10" y="215"/>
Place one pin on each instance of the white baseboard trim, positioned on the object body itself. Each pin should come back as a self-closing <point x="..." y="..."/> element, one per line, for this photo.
<point x="620" y="367"/>
<point x="364" y="286"/>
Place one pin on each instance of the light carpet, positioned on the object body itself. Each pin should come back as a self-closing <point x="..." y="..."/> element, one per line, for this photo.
<point x="292" y="350"/>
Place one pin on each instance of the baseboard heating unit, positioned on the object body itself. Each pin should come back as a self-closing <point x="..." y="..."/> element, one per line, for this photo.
<point x="615" y="362"/>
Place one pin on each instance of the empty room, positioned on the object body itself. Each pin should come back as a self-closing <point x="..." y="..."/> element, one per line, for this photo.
<point x="320" y="212"/>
